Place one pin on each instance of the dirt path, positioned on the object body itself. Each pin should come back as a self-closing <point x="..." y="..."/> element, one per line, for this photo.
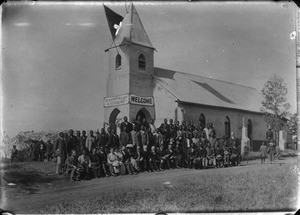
<point x="87" y="189"/>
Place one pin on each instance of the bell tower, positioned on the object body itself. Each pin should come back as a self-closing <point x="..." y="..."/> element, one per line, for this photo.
<point x="129" y="86"/>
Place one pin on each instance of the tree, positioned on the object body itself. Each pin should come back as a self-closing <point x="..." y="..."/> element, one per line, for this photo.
<point x="275" y="106"/>
<point x="292" y="124"/>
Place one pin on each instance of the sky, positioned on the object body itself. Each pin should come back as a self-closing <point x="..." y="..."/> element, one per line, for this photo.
<point x="54" y="67"/>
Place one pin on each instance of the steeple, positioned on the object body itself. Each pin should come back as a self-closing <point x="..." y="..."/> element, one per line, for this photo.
<point x="131" y="30"/>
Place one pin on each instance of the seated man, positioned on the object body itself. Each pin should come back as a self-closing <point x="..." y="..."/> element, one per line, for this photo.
<point x="95" y="164"/>
<point x="132" y="158"/>
<point x="84" y="164"/>
<point x="194" y="157"/>
<point x="202" y="156"/>
<point x="226" y="153"/>
<point x="144" y="159"/>
<point x="165" y="157"/>
<point x="71" y="166"/>
<point x="103" y="162"/>
<point x="219" y="155"/>
<point x="126" y="160"/>
<point x="152" y="155"/>
<point x="210" y="156"/>
<point x="120" y="158"/>
<point x="113" y="163"/>
<point x="174" y="156"/>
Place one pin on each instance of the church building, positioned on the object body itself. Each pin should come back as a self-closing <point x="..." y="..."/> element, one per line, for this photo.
<point x="135" y="87"/>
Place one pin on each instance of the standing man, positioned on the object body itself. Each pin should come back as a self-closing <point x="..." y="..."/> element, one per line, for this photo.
<point x="103" y="138"/>
<point x="124" y="136"/>
<point x="272" y="150"/>
<point x="263" y="153"/>
<point x="126" y="126"/>
<point x="90" y="141"/>
<point x="77" y="146"/>
<point x="269" y="134"/>
<point x="82" y="141"/>
<point x="206" y="130"/>
<point x="14" y="153"/>
<point x="60" y="149"/>
<point x="71" y="141"/>
<point x="152" y="126"/>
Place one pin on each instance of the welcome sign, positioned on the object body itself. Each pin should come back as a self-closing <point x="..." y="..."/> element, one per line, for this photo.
<point x="126" y="98"/>
<point x="141" y="100"/>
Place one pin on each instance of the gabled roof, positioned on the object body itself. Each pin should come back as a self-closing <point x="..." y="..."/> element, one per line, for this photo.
<point x="207" y="91"/>
<point x="132" y="30"/>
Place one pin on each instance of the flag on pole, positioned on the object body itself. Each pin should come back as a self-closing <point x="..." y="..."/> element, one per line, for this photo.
<point x="114" y="21"/>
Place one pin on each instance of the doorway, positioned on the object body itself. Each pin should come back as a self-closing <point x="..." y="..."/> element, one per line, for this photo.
<point x="143" y="114"/>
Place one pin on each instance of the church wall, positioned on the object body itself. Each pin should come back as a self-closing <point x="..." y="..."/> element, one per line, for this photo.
<point x="165" y="105"/>
<point x="118" y="79"/>
<point x="217" y="117"/>
<point x="141" y="81"/>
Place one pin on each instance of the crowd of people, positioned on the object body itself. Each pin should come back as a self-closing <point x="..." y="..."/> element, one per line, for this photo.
<point x="141" y="147"/>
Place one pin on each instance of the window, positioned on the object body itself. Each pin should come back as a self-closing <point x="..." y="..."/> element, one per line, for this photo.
<point x="249" y="129"/>
<point x="142" y="62"/>
<point x="118" y="61"/>
<point x="227" y="127"/>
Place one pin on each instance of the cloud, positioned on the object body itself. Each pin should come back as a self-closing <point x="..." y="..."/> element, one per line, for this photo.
<point x="87" y="24"/>
<point x="21" y="24"/>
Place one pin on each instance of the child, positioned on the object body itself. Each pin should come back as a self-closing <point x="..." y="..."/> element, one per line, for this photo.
<point x="263" y="152"/>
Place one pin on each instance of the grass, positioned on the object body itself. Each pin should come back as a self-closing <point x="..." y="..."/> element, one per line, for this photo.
<point x="30" y="176"/>
<point x="265" y="189"/>
<point x="283" y="153"/>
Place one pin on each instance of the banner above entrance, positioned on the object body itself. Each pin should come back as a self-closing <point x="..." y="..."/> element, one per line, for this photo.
<point x="141" y="100"/>
<point x="125" y="99"/>
<point x="115" y="101"/>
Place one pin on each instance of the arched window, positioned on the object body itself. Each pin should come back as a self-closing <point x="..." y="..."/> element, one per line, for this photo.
<point x="249" y="129"/>
<point x="142" y="62"/>
<point x="118" y="61"/>
<point x="227" y="127"/>
<point x="202" y="120"/>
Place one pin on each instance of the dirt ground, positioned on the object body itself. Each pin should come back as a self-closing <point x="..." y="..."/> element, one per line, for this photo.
<point x="27" y="201"/>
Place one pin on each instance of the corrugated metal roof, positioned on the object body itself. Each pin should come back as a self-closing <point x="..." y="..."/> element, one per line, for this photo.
<point x="207" y="91"/>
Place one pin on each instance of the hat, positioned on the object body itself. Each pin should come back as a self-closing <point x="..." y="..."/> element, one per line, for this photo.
<point x="129" y="145"/>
